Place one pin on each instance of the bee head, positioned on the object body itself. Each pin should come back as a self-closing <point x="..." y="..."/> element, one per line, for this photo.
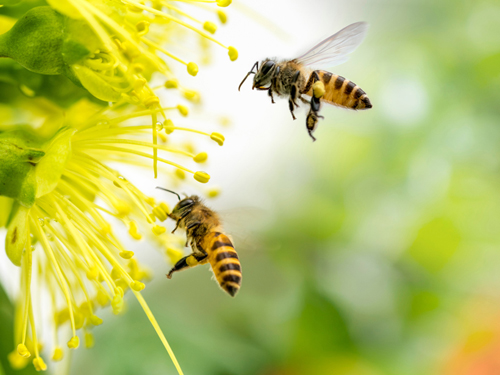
<point x="264" y="74"/>
<point x="183" y="207"/>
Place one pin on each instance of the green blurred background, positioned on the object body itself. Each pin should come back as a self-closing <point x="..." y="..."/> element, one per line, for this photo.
<point x="382" y="253"/>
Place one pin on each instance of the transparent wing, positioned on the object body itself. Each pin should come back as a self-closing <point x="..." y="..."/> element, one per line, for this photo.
<point x="334" y="49"/>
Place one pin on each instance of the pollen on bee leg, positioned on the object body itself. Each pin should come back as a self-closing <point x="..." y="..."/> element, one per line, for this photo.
<point x="318" y="89"/>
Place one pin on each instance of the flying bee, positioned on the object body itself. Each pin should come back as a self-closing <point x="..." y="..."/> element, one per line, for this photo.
<point x="294" y="78"/>
<point x="205" y="235"/>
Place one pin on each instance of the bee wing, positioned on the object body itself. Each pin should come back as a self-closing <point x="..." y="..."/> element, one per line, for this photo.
<point x="334" y="49"/>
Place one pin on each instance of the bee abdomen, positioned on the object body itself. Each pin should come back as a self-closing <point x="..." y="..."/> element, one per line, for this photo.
<point x="225" y="264"/>
<point x="340" y="91"/>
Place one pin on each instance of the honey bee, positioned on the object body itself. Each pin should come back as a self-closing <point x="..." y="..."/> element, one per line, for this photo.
<point x="205" y="235"/>
<point x="294" y="78"/>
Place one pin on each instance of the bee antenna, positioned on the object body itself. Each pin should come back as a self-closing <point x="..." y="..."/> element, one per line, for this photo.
<point x="250" y="72"/>
<point x="170" y="191"/>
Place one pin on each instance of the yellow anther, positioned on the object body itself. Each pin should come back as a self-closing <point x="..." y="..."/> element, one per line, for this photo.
<point x="318" y="89"/>
<point x="192" y="95"/>
<point x="118" y="44"/>
<point x="161" y="211"/>
<point x="150" y="201"/>
<point x="58" y="354"/>
<point x="192" y="68"/>
<point x="130" y="51"/>
<point x="139" y="84"/>
<point x="102" y="298"/>
<point x="115" y="274"/>
<point x="117" y="303"/>
<point x="122" y="208"/>
<point x="95" y="320"/>
<point x="153" y="218"/>
<point x="16" y="361"/>
<point x="171" y="83"/>
<point x="179" y="173"/>
<point x="122" y="284"/>
<point x="74" y="342"/>
<point x="210" y="27"/>
<point x="89" y="340"/>
<point x="152" y="101"/>
<point x="61" y="317"/>
<point x="202" y="177"/>
<point x="183" y="110"/>
<point x="223" y="3"/>
<point x="233" y="53"/>
<point x="157" y="230"/>
<point x="23" y="351"/>
<point x="142" y="27"/>
<point x="201" y="157"/>
<point x="168" y="125"/>
<point x="217" y="137"/>
<point x="213" y="192"/>
<point x="225" y="121"/>
<point x="127" y="254"/>
<point x="189" y="147"/>
<point x="163" y="137"/>
<point x="174" y="255"/>
<point x="119" y="290"/>
<point x="138" y="68"/>
<point x="137" y="286"/>
<point x="222" y="16"/>
<point x="133" y="231"/>
<point x="39" y="364"/>
<point x="93" y="273"/>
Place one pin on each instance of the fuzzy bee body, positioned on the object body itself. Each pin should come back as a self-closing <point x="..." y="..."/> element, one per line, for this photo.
<point x="294" y="78"/>
<point x="341" y="92"/>
<point x="209" y="244"/>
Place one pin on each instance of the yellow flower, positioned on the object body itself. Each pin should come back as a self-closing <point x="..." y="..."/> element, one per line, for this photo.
<point x="63" y="194"/>
<point x="111" y="48"/>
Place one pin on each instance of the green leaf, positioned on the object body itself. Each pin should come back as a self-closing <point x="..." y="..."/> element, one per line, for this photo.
<point x="35" y="41"/>
<point x="19" y="152"/>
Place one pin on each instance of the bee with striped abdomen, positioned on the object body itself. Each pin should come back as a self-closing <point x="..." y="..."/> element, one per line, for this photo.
<point x="209" y="244"/>
<point x="294" y="78"/>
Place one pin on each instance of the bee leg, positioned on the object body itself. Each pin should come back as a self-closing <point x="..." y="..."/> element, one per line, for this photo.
<point x="312" y="116"/>
<point x="290" y="105"/>
<point x="192" y="260"/>
<point x="312" y="78"/>
<point x="304" y="100"/>
<point x="270" y="92"/>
